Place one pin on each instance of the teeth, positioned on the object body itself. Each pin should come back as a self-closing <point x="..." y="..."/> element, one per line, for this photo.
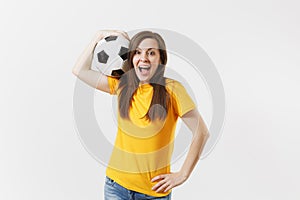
<point x="144" y="68"/>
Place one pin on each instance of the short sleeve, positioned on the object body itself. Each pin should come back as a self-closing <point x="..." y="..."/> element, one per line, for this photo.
<point x="180" y="99"/>
<point x="113" y="85"/>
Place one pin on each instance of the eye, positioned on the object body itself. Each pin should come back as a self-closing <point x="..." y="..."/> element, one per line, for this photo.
<point x="137" y="52"/>
<point x="151" y="53"/>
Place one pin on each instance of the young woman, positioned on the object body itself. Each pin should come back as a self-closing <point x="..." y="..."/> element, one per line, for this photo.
<point x="149" y="105"/>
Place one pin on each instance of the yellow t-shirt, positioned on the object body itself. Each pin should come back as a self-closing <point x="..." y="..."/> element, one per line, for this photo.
<point x="143" y="149"/>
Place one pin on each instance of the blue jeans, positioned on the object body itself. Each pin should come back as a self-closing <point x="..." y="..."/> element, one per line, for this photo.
<point x="114" y="191"/>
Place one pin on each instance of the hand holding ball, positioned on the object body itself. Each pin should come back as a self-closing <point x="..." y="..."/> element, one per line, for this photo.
<point x="110" y="55"/>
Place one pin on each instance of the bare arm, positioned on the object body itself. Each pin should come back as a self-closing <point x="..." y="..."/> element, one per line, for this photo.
<point x="82" y="68"/>
<point x="200" y="135"/>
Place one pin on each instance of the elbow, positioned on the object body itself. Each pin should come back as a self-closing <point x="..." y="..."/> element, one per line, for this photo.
<point x="206" y="135"/>
<point x="75" y="72"/>
<point x="203" y="135"/>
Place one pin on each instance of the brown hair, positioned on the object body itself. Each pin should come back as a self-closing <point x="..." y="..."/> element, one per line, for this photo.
<point x="129" y="82"/>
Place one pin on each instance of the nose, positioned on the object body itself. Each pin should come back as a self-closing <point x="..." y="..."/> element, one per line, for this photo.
<point x="143" y="57"/>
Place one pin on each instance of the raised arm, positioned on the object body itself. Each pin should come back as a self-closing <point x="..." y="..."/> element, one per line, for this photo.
<point x="200" y="135"/>
<point x="82" y="68"/>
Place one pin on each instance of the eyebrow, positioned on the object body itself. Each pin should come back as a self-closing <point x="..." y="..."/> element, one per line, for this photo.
<point x="147" y="49"/>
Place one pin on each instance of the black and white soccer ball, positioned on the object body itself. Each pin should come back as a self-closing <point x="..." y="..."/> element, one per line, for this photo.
<point x="110" y="55"/>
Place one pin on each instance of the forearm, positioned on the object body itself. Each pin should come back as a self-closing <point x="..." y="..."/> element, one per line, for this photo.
<point x="198" y="142"/>
<point x="168" y="181"/>
<point x="82" y="68"/>
<point x="85" y="60"/>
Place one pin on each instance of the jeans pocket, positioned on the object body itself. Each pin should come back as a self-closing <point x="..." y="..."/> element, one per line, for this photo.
<point x="109" y="181"/>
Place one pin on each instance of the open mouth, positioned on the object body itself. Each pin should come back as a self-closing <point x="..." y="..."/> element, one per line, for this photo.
<point x="144" y="68"/>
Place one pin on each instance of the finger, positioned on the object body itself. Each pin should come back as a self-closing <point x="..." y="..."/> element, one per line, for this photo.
<point x="155" y="178"/>
<point x="158" y="184"/>
<point x="105" y="33"/>
<point x="161" y="188"/>
<point x="168" y="188"/>
<point x="126" y="35"/>
<point x="158" y="177"/>
<point x="118" y="33"/>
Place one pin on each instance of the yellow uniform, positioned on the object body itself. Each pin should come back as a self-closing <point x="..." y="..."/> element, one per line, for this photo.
<point x="143" y="149"/>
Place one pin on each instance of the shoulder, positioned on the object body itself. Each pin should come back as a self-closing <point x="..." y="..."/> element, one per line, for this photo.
<point x="113" y="84"/>
<point x="173" y="86"/>
<point x="180" y="99"/>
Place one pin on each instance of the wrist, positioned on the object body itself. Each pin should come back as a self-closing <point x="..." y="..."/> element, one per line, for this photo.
<point x="99" y="36"/>
<point x="184" y="174"/>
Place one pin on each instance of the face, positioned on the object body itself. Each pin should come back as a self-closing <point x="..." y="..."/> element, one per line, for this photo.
<point x="146" y="59"/>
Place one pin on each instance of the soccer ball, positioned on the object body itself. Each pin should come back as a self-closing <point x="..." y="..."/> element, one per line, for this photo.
<point x="110" y="55"/>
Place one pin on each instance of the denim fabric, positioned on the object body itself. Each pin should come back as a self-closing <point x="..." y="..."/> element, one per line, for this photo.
<point x="114" y="191"/>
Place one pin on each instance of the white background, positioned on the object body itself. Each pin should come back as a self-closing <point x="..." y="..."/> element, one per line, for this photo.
<point x="254" y="45"/>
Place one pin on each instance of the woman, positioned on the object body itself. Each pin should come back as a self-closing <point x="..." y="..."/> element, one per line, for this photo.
<point x="148" y="108"/>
